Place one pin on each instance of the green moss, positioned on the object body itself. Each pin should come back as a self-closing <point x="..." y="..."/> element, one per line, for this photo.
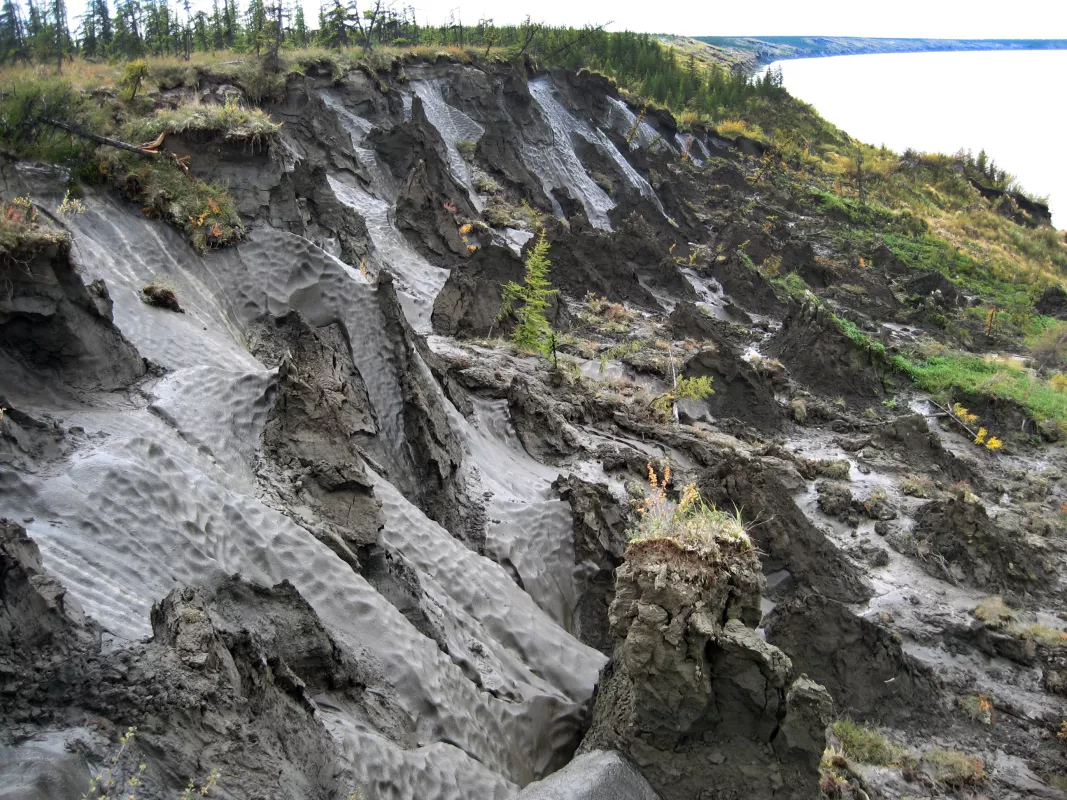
<point x="849" y="328"/>
<point x="792" y="286"/>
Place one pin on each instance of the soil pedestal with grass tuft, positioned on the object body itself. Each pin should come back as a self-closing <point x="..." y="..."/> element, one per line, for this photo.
<point x="693" y="693"/>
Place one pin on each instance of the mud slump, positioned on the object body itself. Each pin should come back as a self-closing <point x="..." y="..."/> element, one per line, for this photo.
<point x="292" y="534"/>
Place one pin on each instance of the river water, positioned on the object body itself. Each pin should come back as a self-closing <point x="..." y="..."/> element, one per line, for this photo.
<point x="1006" y="102"/>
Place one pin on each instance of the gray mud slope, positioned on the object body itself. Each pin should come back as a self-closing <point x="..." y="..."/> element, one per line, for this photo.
<point x="318" y="533"/>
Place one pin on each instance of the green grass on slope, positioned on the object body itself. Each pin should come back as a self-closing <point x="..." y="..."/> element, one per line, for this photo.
<point x="996" y="378"/>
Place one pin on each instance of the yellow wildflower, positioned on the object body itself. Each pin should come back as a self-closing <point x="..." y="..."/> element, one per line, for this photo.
<point x="964" y="415"/>
<point x="994" y="443"/>
<point x="980" y="438"/>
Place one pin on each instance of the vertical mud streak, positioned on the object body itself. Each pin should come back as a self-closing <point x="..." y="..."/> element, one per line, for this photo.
<point x="561" y="168"/>
<point x="418" y="281"/>
<point x="454" y="127"/>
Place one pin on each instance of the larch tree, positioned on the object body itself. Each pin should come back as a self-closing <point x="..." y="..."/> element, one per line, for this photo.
<point x="529" y="300"/>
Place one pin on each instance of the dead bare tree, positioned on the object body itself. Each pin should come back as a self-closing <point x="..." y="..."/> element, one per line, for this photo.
<point x="272" y="63"/>
<point x="371" y="18"/>
<point x="529" y="34"/>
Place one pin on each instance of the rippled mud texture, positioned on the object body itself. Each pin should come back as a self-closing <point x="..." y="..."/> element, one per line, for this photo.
<point x="326" y="532"/>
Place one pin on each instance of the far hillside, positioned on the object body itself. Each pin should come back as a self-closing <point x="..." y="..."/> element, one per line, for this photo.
<point x="765" y="49"/>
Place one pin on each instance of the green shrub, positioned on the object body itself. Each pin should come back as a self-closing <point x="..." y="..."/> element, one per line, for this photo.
<point x="467" y="149"/>
<point x="529" y="301"/>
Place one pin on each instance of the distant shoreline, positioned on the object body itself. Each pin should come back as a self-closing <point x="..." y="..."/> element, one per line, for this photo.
<point x="754" y="52"/>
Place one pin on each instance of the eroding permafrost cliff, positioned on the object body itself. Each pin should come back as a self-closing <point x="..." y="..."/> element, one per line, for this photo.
<point x="315" y="534"/>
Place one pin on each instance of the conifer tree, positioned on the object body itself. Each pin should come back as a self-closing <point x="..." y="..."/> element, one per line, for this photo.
<point x="12" y="33"/>
<point x="534" y="295"/>
<point x="60" y="33"/>
<point x="299" y="35"/>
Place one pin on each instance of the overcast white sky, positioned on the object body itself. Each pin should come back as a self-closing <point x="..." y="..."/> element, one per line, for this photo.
<point x="952" y="19"/>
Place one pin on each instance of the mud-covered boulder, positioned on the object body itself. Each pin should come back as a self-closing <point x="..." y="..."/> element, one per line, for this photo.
<point x="48" y="766"/>
<point x="779" y="528"/>
<point x="469" y="302"/>
<point x="741" y="392"/>
<point x="816" y="351"/>
<point x="688" y="321"/>
<point x="56" y="327"/>
<point x="321" y="424"/>
<point x="29" y="443"/>
<point x="934" y="284"/>
<point x="835" y="500"/>
<point x="37" y="616"/>
<point x="213" y="688"/>
<point x="436" y="480"/>
<point x="956" y="539"/>
<point x="597" y="775"/>
<point x="693" y="693"/>
<point x="1053" y="659"/>
<point x="430" y="196"/>
<point x="746" y="285"/>
<point x="468" y="305"/>
<point x="860" y="663"/>
<point x="1052" y="303"/>
<point x="540" y="421"/>
<point x="599" y="543"/>
<point x="910" y="439"/>
<point x="615" y="265"/>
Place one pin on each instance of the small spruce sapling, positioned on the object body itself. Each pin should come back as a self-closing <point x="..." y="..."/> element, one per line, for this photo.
<point x="529" y="301"/>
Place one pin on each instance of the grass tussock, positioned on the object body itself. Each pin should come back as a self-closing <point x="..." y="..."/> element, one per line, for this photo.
<point x="995" y="613"/>
<point x="21" y="233"/>
<point x="918" y="486"/>
<point x="955" y="769"/>
<point x="232" y="121"/>
<point x="690" y="523"/>
<point x="161" y="296"/>
<point x="864" y="745"/>
<point x="978" y="707"/>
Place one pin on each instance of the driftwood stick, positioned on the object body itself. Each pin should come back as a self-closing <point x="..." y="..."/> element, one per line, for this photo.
<point x="957" y="420"/>
<point x="93" y="137"/>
